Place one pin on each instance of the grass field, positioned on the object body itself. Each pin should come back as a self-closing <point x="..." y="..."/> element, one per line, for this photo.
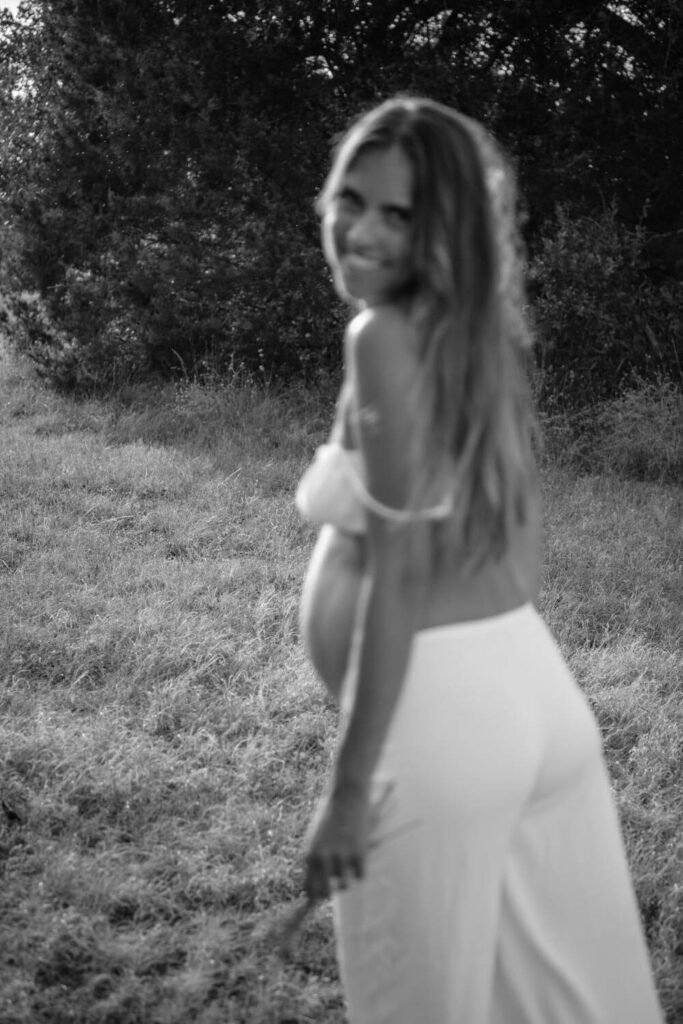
<point x="162" y="738"/>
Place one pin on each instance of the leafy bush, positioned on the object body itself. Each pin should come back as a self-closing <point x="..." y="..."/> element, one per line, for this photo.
<point x="160" y="196"/>
<point x="599" y="318"/>
<point x="637" y="434"/>
<point x="640" y="433"/>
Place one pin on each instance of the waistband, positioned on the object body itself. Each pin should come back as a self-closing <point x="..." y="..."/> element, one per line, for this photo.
<point x="500" y="620"/>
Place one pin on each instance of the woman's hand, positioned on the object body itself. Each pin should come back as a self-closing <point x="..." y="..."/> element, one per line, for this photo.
<point x="337" y="841"/>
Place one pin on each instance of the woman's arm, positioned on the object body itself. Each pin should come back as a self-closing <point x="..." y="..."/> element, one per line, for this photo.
<point x="382" y="367"/>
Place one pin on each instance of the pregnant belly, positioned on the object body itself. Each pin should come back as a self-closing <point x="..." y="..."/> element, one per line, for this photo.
<point x="328" y="604"/>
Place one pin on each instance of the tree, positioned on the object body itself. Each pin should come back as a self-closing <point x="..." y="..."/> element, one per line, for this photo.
<point x="160" y="157"/>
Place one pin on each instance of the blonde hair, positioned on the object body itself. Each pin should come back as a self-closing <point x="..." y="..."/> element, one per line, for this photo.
<point x="467" y="299"/>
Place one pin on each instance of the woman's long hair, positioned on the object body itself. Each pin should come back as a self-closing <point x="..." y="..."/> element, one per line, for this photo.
<point x="467" y="300"/>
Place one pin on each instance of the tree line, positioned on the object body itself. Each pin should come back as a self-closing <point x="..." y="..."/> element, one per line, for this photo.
<point x="159" y="161"/>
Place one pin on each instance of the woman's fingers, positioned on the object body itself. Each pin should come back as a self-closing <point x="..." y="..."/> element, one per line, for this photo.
<point x="357" y="865"/>
<point x="338" y="869"/>
<point x="324" y="870"/>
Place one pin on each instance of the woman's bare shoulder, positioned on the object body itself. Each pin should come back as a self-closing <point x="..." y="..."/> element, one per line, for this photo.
<point x="382" y="338"/>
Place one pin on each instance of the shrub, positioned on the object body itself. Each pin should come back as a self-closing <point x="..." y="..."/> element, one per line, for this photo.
<point x="640" y="433"/>
<point x="600" y="320"/>
<point x="637" y="434"/>
<point x="156" y="186"/>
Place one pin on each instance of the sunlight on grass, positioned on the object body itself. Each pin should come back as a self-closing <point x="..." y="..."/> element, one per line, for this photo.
<point x="163" y="739"/>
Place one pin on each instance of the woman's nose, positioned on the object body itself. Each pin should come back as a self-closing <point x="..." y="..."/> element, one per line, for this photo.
<point x="364" y="230"/>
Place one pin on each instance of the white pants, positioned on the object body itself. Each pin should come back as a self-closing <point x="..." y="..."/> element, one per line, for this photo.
<point x="497" y="889"/>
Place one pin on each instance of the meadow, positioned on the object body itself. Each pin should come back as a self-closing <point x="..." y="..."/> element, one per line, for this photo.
<point x="163" y="739"/>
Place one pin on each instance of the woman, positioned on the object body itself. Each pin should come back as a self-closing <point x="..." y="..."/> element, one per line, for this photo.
<point x="468" y="834"/>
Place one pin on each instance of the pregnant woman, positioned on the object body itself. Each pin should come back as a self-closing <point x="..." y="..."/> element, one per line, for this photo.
<point x="468" y="834"/>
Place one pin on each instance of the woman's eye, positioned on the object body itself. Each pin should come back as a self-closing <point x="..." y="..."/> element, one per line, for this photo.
<point x="398" y="217"/>
<point x="348" y="201"/>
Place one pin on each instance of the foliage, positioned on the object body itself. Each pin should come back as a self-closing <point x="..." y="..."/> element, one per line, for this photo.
<point x="152" y="241"/>
<point x="640" y="433"/>
<point x="636" y="435"/>
<point x="600" y="320"/>
<point x="159" y="158"/>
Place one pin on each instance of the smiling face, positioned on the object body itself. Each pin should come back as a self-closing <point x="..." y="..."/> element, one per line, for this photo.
<point x="367" y="227"/>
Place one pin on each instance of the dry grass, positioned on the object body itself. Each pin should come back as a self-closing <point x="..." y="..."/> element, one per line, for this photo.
<point x="162" y="738"/>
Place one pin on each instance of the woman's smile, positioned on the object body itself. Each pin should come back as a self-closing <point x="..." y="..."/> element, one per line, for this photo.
<point x="357" y="259"/>
<point x="356" y="265"/>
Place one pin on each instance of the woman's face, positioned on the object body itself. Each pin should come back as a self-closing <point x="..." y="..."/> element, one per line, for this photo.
<point x="367" y="227"/>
